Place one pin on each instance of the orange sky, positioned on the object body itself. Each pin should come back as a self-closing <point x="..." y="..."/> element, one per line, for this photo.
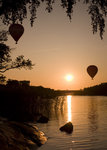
<point x="58" y="47"/>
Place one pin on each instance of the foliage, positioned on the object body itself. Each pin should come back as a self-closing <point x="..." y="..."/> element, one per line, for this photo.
<point x="25" y="103"/>
<point x="12" y="11"/>
<point x="100" y="89"/>
<point x="6" y="62"/>
<point x="16" y="83"/>
<point x="2" y="78"/>
<point x="3" y="35"/>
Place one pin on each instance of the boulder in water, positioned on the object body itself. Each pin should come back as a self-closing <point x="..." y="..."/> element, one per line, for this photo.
<point x="68" y="127"/>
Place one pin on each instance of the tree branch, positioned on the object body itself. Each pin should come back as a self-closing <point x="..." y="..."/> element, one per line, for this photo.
<point x="2" y="71"/>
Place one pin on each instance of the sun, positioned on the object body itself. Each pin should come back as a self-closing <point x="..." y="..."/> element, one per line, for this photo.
<point x="69" y="77"/>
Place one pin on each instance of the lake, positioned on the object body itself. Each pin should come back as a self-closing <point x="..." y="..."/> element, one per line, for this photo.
<point x="89" y="117"/>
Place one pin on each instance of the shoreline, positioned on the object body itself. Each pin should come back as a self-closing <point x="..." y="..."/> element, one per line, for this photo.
<point x="20" y="135"/>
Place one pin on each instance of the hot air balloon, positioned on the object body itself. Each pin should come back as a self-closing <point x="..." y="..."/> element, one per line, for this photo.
<point x="16" y="31"/>
<point x="92" y="70"/>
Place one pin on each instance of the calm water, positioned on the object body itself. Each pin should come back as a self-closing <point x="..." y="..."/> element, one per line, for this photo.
<point x="89" y="117"/>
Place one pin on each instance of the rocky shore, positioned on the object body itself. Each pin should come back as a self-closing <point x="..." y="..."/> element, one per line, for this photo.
<point x="20" y="136"/>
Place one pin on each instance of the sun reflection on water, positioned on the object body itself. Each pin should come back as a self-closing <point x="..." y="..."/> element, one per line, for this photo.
<point x="69" y="108"/>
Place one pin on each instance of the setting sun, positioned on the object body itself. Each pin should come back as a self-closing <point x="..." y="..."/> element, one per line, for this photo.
<point x="69" y="77"/>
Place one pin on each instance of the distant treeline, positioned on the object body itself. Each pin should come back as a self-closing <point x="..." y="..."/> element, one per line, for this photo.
<point x="100" y="89"/>
<point x="23" y="88"/>
<point x="20" y="101"/>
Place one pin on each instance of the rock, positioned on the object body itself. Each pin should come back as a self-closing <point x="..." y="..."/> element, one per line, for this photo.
<point x="43" y="119"/>
<point x="68" y="127"/>
<point x="20" y="136"/>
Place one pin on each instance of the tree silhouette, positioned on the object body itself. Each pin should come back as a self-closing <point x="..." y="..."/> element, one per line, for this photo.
<point x="6" y="62"/>
<point x="12" y="11"/>
<point x="3" y="35"/>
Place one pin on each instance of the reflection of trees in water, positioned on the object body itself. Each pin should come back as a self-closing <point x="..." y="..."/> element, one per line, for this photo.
<point x="93" y="115"/>
<point x="56" y="108"/>
<point x="51" y="108"/>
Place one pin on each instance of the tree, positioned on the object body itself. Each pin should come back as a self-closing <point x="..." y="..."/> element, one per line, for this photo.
<point x="3" y="35"/>
<point x="6" y="62"/>
<point x="16" y="83"/>
<point x="13" y="83"/>
<point x="25" y="83"/>
<point x="12" y="11"/>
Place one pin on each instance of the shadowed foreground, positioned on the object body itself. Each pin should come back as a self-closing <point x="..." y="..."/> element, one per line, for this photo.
<point x="22" y="104"/>
<point x="19" y="136"/>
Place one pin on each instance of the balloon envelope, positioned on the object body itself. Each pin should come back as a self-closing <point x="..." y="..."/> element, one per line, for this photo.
<point x="92" y="70"/>
<point x="16" y="31"/>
